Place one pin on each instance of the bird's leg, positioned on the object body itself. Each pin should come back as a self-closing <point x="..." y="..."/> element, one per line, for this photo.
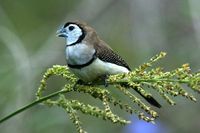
<point x="104" y="79"/>
<point x="101" y="79"/>
<point x="78" y="82"/>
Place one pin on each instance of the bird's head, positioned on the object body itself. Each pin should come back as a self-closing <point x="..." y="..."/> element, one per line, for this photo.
<point x="73" y="32"/>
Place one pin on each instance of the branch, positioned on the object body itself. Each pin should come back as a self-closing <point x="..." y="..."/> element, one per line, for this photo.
<point x="32" y="104"/>
<point x="141" y="79"/>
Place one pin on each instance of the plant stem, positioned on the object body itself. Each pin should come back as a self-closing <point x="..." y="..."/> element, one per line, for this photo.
<point x="64" y="91"/>
<point x="31" y="105"/>
<point x="149" y="80"/>
<point x="156" y="80"/>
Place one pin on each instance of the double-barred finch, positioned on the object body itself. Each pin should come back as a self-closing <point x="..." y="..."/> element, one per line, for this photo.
<point x="89" y="57"/>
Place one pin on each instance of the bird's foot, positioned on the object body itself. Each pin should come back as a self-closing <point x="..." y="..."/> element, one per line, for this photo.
<point x="104" y="79"/>
<point x="78" y="82"/>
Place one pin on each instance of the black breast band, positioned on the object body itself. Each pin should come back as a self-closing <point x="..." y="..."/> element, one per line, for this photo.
<point x="83" y="65"/>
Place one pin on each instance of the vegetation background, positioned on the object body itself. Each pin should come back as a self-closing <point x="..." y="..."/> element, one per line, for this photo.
<point x="136" y="29"/>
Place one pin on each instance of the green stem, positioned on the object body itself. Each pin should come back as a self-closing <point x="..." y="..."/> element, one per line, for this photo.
<point x="156" y="80"/>
<point x="149" y="80"/>
<point x="64" y="91"/>
<point x="31" y="105"/>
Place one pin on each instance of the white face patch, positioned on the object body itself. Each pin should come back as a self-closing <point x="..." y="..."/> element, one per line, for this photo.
<point x="73" y="33"/>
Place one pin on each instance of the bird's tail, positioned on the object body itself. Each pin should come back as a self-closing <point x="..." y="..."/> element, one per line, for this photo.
<point x="147" y="97"/>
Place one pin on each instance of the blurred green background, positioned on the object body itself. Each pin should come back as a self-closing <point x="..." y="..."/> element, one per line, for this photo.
<point x="136" y="29"/>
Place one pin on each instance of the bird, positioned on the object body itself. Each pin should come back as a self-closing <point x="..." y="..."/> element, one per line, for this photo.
<point x="89" y="57"/>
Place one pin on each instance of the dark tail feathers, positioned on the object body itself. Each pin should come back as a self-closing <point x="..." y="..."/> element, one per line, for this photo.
<point x="148" y="98"/>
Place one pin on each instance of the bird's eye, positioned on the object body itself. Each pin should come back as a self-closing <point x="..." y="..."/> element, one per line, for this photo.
<point x="71" y="28"/>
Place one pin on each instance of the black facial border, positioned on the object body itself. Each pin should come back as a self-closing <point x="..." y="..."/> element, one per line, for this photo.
<point x="82" y="30"/>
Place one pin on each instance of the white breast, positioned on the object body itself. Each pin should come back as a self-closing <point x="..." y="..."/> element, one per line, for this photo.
<point x="79" y="54"/>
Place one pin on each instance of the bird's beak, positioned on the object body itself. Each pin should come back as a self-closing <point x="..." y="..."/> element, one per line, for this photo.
<point x="61" y="32"/>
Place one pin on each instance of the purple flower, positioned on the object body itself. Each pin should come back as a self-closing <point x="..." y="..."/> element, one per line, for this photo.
<point x="140" y="126"/>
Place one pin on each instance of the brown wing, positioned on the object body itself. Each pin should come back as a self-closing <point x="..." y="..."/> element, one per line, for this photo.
<point x="105" y="53"/>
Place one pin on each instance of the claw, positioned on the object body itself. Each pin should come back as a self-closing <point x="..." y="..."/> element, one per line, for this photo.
<point x="78" y="82"/>
<point x="104" y="78"/>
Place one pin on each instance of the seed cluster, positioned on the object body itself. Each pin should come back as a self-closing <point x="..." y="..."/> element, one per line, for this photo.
<point x="145" y="77"/>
